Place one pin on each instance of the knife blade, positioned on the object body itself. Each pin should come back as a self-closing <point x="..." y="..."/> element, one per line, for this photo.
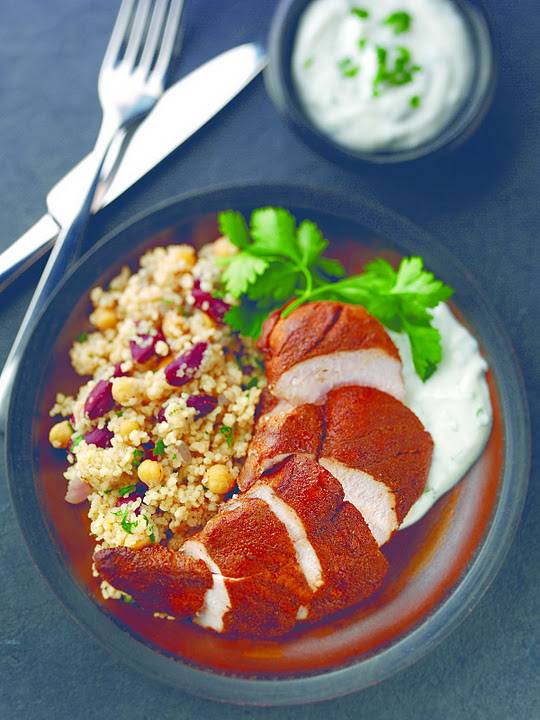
<point x="182" y="110"/>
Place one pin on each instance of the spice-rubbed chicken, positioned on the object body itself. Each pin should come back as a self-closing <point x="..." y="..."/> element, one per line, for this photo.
<point x="323" y="345"/>
<point x="335" y="464"/>
<point x="290" y="549"/>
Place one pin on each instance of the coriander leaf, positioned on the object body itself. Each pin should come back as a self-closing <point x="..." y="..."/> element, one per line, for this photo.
<point x="400" y="21"/>
<point x="227" y="432"/>
<point x="380" y="267"/>
<point x="82" y="337"/>
<point x="426" y="349"/>
<point x="241" y="271"/>
<point x="277" y="283"/>
<point x="247" y="318"/>
<point x="127" y="490"/>
<point x="274" y="233"/>
<point x="159" y="448"/>
<point x="413" y="279"/>
<point x="138" y="456"/>
<point x="233" y="225"/>
<point x="254" y="382"/>
<point x="331" y="267"/>
<point x="310" y="241"/>
<point x="126" y="524"/>
<point x="415" y="101"/>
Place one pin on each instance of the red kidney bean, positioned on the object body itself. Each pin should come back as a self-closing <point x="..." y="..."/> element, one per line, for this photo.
<point x="160" y="417"/>
<point x="138" y="491"/>
<point x="183" y="368"/>
<point x="203" y="404"/>
<point x="99" y="400"/>
<point x="215" y="307"/>
<point x="144" y="347"/>
<point x="100" y="437"/>
<point x="118" y="372"/>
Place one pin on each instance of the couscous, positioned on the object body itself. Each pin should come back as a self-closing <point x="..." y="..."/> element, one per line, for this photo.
<point x="157" y="431"/>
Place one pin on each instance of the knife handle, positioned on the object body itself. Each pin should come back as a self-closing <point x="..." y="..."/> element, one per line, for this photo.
<point x="27" y="249"/>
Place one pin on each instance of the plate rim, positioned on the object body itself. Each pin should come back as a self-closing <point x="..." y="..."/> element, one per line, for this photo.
<point x="420" y="639"/>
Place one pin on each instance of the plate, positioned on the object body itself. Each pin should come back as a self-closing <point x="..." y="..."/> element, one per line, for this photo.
<point x="439" y="568"/>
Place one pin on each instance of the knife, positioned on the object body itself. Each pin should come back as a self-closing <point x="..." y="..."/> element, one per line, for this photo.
<point x="182" y="110"/>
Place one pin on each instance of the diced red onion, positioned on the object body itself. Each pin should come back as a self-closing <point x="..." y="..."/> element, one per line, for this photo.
<point x="184" y="451"/>
<point x="203" y="404"/>
<point x="187" y="364"/>
<point x="100" y="437"/>
<point x="100" y="400"/>
<point x="214" y="307"/>
<point x="144" y="347"/>
<point x="77" y="491"/>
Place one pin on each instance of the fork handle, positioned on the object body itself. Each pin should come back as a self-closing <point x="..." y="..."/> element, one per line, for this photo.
<point x="66" y="250"/>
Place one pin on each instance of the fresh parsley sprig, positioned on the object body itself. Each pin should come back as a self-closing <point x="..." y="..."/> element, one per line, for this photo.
<point x="280" y="262"/>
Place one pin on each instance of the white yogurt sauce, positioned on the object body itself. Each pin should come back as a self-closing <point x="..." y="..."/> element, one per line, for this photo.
<point x="336" y="62"/>
<point x="453" y="405"/>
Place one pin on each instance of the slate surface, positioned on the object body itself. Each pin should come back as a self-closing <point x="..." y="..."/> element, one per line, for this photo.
<point x="483" y="203"/>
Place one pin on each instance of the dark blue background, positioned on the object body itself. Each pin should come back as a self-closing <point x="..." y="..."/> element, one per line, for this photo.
<point x="483" y="203"/>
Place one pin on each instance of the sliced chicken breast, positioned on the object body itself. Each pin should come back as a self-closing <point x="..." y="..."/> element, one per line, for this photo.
<point x="323" y="345"/>
<point x="351" y="564"/>
<point x="278" y="435"/>
<point x="159" y="578"/>
<point x="380" y="452"/>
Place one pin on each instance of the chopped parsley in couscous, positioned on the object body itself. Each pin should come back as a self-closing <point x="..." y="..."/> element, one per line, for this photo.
<point x="156" y="436"/>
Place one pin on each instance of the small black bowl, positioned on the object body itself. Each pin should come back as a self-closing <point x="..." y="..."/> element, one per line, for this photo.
<point x="281" y="88"/>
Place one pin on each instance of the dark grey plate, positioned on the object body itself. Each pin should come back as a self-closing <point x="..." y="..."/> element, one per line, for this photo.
<point x="30" y="466"/>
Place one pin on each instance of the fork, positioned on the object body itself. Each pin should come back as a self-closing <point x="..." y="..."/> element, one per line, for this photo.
<point x="131" y="80"/>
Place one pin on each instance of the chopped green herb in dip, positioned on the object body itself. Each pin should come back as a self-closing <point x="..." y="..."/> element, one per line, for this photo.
<point x="347" y="67"/>
<point x="399" y="21"/>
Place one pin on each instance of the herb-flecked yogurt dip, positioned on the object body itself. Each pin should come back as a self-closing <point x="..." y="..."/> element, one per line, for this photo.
<point x="378" y="75"/>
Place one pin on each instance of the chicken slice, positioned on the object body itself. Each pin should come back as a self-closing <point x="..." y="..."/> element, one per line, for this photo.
<point x="252" y="582"/>
<point x="159" y="578"/>
<point x="380" y="452"/>
<point x="323" y="345"/>
<point x="351" y="564"/>
<point x="278" y="435"/>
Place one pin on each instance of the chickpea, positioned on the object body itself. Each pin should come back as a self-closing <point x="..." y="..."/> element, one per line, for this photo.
<point x="174" y="325"/>
<point x="223" y="247"/>
<point x="150" y="472"/>
<point x="206" y="321"/>
<point x="125" y="390"/>
<point x="60" y="434"/>
<point x="127" y="427"/>
<point x="218" y="479"/>
<point x="183" y="255"/>
<point x="103" y="318"/>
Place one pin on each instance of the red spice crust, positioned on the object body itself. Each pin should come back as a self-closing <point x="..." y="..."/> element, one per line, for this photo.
<point x="319" y="328"/>
<point x="371" y="431"/>
<point x="298" y="431"/>
<point x="158" y="578"/>
<point x="353" y="567"/>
